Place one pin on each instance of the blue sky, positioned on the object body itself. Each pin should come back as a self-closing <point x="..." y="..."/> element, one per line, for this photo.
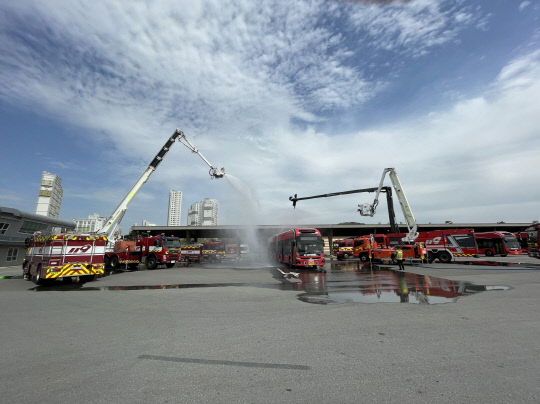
<point x="304" y="97"/>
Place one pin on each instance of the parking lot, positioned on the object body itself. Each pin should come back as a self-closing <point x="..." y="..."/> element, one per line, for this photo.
<point x="241" y="332"/>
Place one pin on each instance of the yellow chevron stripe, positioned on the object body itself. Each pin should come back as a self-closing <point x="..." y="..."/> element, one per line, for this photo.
<point x="67" y="270"/>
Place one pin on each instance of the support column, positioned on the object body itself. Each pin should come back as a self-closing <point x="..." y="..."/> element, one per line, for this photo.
<point x="330" y="241"/>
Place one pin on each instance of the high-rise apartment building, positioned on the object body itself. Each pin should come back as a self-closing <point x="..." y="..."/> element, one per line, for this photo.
<point x="50" y="195"/>
<point x="175" y="208"/>
<point x="203" y="213"/>
<point x="91" y="224"/>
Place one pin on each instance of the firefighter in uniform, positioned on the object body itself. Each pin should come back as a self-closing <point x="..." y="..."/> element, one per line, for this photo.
<point x="399" y="258"/>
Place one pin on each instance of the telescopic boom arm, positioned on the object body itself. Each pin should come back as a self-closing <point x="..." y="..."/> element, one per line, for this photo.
<point x="114" y="220"/>
<point x="369" y="210"/>
<point x="215" y="172"/>
<point x="391" y="214"/>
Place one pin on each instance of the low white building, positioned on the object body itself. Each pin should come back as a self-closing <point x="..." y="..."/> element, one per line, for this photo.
<point x="90" y="225"/>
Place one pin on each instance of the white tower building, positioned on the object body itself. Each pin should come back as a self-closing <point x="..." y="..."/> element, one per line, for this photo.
<point x="175" y="208"/>
<point x="203" y="213"/>
<point x="50" y="195"/>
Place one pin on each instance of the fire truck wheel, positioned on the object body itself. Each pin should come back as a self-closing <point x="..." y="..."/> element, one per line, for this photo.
<point x="430" y="257"/>
<point x="345" y="256"/>
<point x="168" y="265"/>
<point x="114" y="262"/>
<point x="151" y="262"/>
<point x="489" y="253"/>
<point x="26" y="272"/>
<point x="106" y="262"/>
<point x="445" y="257"/>
<point x="364" y="258"/>
<point x="38" y="280"/>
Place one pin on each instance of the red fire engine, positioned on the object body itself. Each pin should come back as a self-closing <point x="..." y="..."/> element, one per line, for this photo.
<point x="152" y="251"/>
<point x="367" y="248"/>
<point x="344" y="248"/>
<point x="63" y="256"/>
<point x="441" y="244"/>
<point x="213" y="251"/>
<point x="191" y="252"/>
<point x="532" y="240"/>
<point x="522" y="237"/>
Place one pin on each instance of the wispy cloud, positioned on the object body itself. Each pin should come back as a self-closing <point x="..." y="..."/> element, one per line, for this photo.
<point x="524" y="4"/>
<point x="252" y="85"/>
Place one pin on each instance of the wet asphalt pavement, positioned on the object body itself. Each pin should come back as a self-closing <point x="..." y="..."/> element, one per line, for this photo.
<point x="240" y="332"/>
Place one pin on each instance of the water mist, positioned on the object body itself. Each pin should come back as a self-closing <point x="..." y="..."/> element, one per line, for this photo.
<point x="249" y="217"/>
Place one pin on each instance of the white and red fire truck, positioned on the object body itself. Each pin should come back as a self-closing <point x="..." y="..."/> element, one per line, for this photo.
<point x="441" y="244"/>
<point x="60" y="255"/>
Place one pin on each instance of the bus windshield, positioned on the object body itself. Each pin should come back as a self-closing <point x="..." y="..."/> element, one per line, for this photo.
<point x="511" y="242"/>
<point x="309" y="246"/>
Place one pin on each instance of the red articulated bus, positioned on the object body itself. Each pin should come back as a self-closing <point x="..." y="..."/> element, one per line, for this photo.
<point x="301" y="248"/>
<point x="497" y="243"/>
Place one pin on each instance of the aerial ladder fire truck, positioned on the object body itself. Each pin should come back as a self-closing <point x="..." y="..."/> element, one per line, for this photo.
<point x="365" y="247"/>
<point x="442" y="244"/>
<point x="410" y="248"/>
<point x="156" y="250"/>
<point x="59" y="254"/>
<point x="116" y="217"/>
<point x="369" y="210"/>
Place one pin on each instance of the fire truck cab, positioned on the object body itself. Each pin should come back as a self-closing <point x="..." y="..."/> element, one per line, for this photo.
<point x="213" y="251"/>
<point x="151" y="251"/>
<point x="345" y="249"/>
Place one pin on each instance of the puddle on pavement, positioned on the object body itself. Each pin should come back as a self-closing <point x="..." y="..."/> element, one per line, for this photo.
<point x="343" y="283"/>
<point x="346" y="283"/>
<point x="522" y="265"/>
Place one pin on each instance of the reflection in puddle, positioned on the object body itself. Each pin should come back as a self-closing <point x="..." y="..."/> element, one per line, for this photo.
<point x="344" y="283"/>
<point x="348" y="282"/>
